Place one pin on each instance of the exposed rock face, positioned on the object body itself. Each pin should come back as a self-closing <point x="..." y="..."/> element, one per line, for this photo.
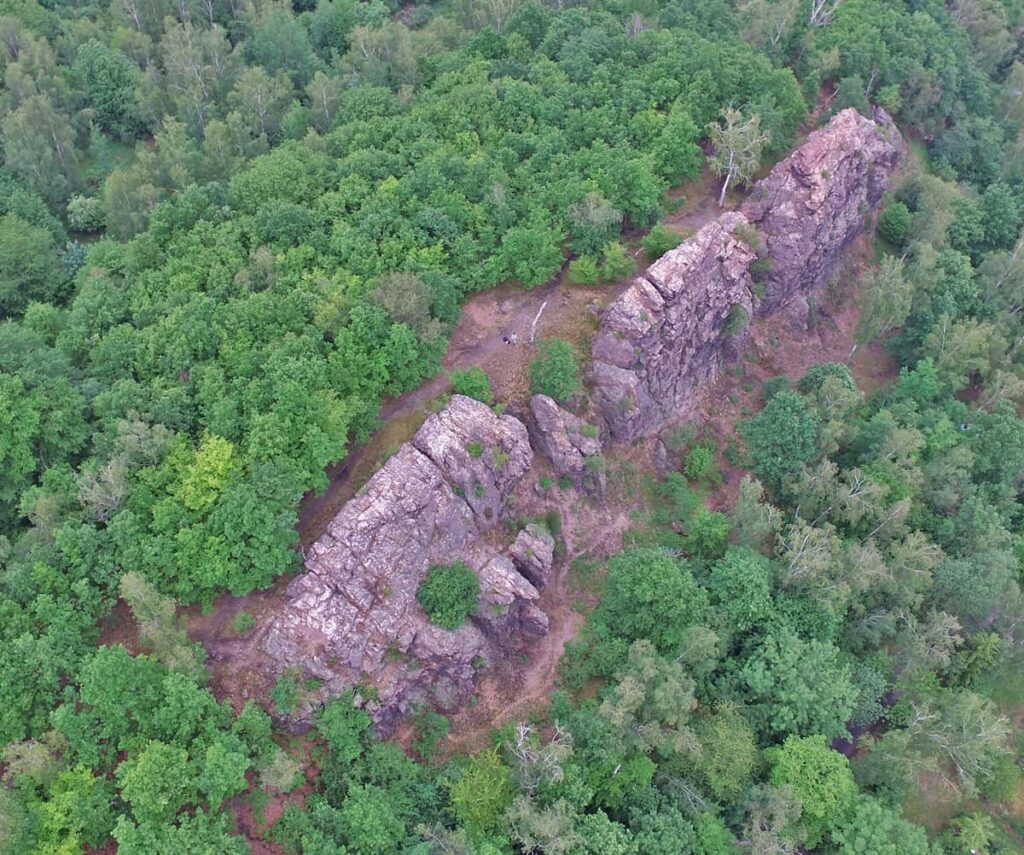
<point x="572" y="445"/>
<point x="482" y="455"/>
<point x="665" y="334"/>
<point x="533" y="553"/>
<point x="672" y="329"/>
<point x="353" y="616"/>
<point x="816" y="201"/>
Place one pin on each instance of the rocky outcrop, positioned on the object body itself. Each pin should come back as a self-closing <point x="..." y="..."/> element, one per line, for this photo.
<point x="353" y="617"/>
<point x="671" y="330"/>
<point x="533" y="553"/>
<point x="665" y="335"/>
<point x="481" y="454"/>
<point x="572" y="445"/>
<point x="813" y="204"/>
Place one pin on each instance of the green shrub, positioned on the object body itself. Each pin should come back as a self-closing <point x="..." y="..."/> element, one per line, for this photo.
<point x="473" y="383"/>
<point x="554" y="371"/>
<point x="475" y="449"/>
<point x="448" y="594"/>
<point x="431" y="728"/>
<point x="242" y="623"/>
<point x="285" y="693"/>
<point x="616" y="262"/>
<point x="699" y="463"/>
<point x="894" y="223"/>
<point x="583" y="270"/>
<point x="660" y="240"/>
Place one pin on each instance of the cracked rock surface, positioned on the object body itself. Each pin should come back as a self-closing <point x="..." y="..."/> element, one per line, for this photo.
<point x="671" y="330"/>
<point x="353" y="618"/>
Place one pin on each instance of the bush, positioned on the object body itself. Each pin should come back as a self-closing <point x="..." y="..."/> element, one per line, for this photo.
<point x="894" y="223"/>
<point x="285" y="694"/>
<point x="431" y="728"/>
<point x="448" y="594"/>
<point x="555" y="372"/>
<point x="616" y="262"/>
<point x="85" y="214"/>
<point x="473" y="383"/>
<point x="243" y="623"/>
<point x="660" y="240"/>
<point x="700" y="463"/>
<point x="583" y="270"/>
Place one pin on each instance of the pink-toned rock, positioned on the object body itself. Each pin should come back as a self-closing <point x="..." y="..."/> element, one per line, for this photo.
<point x="813" y="204"/>
<point x="669" y="333"/>
<point x="353" y="617"/>
<point x="664" y="336"/>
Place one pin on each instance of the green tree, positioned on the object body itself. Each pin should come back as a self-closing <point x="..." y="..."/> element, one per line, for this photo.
<point x="555" y="371"/>
<point x="222" y="773"/>
<point x="872" y="826"/>
<point x="157" y="783"/>
<point x="481" y="793"/>
<point x="371" y="825"/>
<point x="651" y="595"/>
<point x="821" y="779"/>
<point x="532" y="252"/>
<point x="792" y="686"/>
<point x="108" y="79"/>
<point x="29" y="266"/>
<point x="781" y="438"/>
<point x="449" y="594"/>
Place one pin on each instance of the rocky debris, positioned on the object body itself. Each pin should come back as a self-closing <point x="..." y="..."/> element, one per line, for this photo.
<point x="533" y="553"/>
<point x="353" y="617"/>
<point x="665" y="335"/>
<point x="672" y="329"/>
<point x="572" y="445"/>
<point x="813" y="204"/>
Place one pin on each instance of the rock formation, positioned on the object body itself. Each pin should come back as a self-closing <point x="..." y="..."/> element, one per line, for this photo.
<point x="813" y="204"/>
<point x="533" y="553"/>
<point x="572" y="445"/>
<point x="666" y="333"/>
<point x="353" y="617"/>
<point x="671" y="330"/>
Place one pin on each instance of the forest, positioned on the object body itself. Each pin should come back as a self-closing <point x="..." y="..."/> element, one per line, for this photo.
<point x="230" y="228"/>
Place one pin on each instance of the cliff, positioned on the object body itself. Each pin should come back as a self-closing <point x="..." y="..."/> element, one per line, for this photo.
<point x="672" y="329"/>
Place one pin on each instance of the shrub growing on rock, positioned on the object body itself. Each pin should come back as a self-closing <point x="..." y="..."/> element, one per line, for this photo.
<point x="448" y="594"/>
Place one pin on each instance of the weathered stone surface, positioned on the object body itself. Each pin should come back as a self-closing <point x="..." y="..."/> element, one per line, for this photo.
<point x="533" y="553"/>
<point x="569" y="443"/>
<point x="664" y="336"/>
<point x="671" y="330"/>
<point x="353" y="617"/>
<point x="816" y="201"/>
<point x="482" y="454"/>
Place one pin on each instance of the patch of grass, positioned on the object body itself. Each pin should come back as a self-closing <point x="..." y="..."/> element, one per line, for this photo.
<point x="285" y="693"/>
<point x="475" y="449"/>
<point x="242" y="623"/>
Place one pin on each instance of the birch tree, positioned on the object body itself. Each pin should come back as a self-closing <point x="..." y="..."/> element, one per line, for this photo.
<point x="739" y="142"/>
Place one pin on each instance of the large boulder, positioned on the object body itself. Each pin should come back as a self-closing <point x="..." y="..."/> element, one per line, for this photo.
<point x="813" y="204"/>
<point x="572" y="445"/>
<point x="353" y="617"/>
<point x="664" y="335"/>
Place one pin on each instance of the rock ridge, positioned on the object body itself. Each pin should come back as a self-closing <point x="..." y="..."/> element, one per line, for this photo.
<point x="353" y="619"/>
<point x="671" y="331"/>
